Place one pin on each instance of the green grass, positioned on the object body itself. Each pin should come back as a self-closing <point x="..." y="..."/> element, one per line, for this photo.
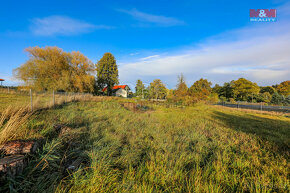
<point x="39" y="100"/>
<point x="13" y="99"/>
<point x="192" y="149"/>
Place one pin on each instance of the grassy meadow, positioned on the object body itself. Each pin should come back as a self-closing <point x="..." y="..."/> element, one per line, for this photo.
<point x="18" y="100"/>
<point x="15" y="100"/>
<point x="159" y="148"/>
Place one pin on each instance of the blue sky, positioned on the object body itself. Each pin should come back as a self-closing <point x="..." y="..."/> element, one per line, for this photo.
<point x="154" y="39"/>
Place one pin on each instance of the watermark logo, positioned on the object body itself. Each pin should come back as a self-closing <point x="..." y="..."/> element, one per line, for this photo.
<point x="265" y="15"/>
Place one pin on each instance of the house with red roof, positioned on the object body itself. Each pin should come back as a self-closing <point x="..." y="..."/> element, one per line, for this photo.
<point x="1" y="80"/>
<point x="120" y="90"/>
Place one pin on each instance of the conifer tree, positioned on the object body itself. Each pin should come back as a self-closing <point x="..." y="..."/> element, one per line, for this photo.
<point x="107" y="72"/>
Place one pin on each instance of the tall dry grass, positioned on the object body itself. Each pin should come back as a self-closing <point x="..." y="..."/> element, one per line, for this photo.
<point x="12" y="124"/>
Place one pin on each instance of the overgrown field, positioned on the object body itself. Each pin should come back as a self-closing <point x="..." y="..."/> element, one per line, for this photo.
<point x="162" y="149"/>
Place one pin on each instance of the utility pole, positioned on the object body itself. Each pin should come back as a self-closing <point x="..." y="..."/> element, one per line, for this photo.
<point x="31" y="102"/>
<point x="53" y="98"/>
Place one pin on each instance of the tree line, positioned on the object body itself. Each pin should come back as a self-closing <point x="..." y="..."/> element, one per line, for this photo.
<point x="201" y="90"/>
<point x="245" y="90"/>
<point x="51" y="68"/>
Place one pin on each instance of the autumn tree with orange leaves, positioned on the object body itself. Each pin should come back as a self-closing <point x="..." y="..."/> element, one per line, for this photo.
<point x="200" y="89"/>
<point x="284" y="88"/>
<point x="51" y="68"/>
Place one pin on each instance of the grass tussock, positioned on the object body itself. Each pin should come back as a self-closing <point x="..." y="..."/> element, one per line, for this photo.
<point x="12" y="124"/>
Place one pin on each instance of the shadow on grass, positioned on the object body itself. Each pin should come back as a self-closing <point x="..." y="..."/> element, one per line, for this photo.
<point x="274" y="131"/>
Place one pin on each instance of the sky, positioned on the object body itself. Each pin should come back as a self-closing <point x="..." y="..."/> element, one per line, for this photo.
<point x="154" y="39"/>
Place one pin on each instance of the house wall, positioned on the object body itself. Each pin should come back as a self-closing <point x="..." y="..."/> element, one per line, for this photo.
<point x="121" y="92"/>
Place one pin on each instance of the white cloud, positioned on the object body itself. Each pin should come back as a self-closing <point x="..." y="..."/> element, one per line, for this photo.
<point x="150" y="18"/>
<point x="259" y="52"/>
<point x="150" y="57"/>
<point x="62" y="25"/>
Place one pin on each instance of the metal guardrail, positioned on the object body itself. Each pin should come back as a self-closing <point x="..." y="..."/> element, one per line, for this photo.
<point x="257" y="107"/>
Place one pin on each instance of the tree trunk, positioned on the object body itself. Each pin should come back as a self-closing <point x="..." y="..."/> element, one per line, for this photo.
<point x="19" y="147"/>
<point x="12" y="165"/>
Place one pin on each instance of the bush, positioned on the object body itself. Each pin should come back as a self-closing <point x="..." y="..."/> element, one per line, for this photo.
<point x="223" y="99"/>
<point x="263" y="97"/>
<point x="232" y="100"/>
<point x="276" y="99"/>
<point x="213" y="98"/>
<point x="287" y="100"/>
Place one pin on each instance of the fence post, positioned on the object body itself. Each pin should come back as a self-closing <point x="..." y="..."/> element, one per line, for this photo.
<point x="8" y="89"/>
<point x="261" y="106"/>
<point x="31" y="102"/>
<point x="282" y="106"/>
<point x="53" y="98"/>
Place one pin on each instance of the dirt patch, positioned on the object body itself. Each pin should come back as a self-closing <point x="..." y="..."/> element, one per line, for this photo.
<point x="62" y="129"/>
<point x="135" y="107"/>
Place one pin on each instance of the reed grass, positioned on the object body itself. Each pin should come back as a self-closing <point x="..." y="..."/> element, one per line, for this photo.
<point x="12" y="124"/>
